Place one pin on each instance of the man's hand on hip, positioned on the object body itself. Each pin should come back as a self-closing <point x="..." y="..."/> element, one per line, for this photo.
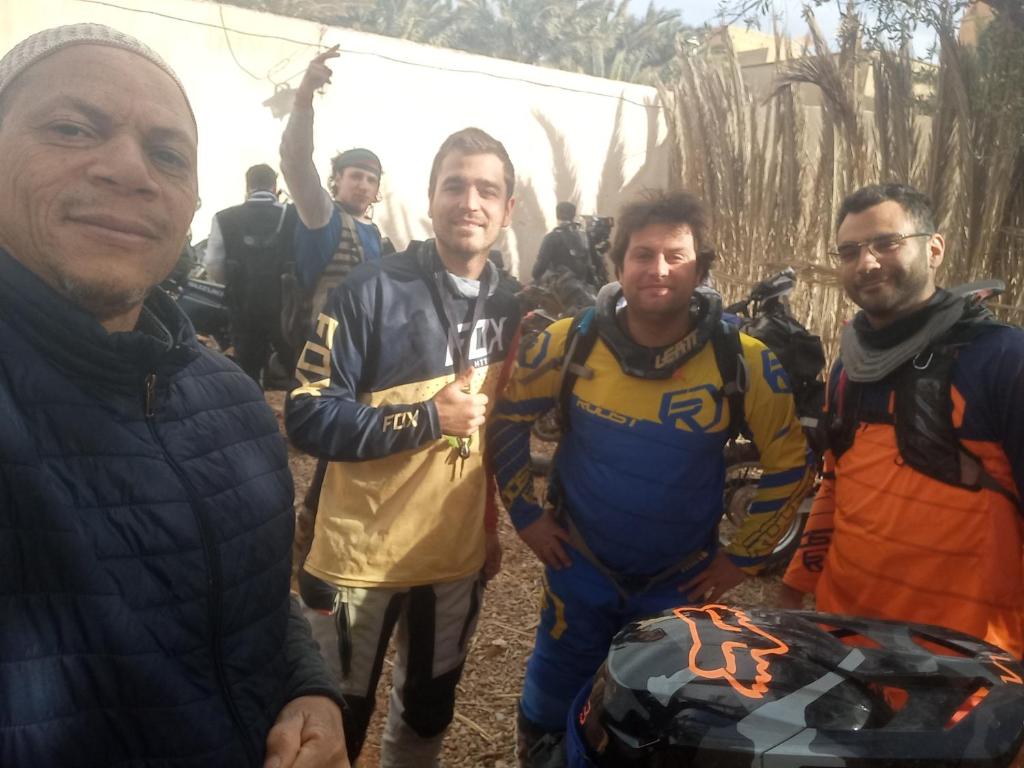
<point x="546" y="538"/>
<point x="719" y="577"/>
<point x="460" y="413"/>
<point x="308" y="734"/>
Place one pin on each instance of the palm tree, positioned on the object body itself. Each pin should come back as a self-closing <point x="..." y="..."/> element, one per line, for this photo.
<point x="773" y="186"/>
<point x="596" y="37"/>
<point x="422" y="21"/>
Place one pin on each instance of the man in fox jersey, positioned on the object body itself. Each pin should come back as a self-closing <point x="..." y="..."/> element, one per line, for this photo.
<point x="395" y="386"/>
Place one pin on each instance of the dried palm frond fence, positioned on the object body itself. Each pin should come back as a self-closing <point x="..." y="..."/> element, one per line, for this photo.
<point x="774" y="170"/>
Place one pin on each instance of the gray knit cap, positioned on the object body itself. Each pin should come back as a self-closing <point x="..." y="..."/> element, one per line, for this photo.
<point x="40" y="45"/>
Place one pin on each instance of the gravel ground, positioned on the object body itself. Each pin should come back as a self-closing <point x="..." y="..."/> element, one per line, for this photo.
<point x="483" y="734"/>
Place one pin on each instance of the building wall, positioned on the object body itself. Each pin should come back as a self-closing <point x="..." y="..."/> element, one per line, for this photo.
<point x="977" y="16"/>
<point x="570" y="136"/>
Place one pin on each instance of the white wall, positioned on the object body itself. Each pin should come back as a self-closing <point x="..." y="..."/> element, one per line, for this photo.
<point x="563" y="131"/>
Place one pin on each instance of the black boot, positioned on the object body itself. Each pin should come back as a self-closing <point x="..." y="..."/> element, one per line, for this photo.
<point x="538" y="748"/>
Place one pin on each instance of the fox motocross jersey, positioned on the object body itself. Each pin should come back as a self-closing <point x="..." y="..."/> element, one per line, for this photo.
<point x="399" y="506"/>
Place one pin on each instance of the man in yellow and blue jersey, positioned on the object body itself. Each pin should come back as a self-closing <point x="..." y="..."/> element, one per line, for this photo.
<point x="636" y="489"/>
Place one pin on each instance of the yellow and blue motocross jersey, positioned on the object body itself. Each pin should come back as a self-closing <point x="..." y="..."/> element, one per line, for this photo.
<point x="640" y="468"/>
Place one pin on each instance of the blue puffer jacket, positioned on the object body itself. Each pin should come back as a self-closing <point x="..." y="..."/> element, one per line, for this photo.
<point x="145" y="530"/>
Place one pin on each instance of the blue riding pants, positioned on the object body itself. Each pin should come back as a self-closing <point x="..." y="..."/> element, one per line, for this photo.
<point x="580" y="613"/>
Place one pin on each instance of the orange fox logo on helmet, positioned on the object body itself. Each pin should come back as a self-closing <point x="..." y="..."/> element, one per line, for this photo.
<point x="731" y="645"/>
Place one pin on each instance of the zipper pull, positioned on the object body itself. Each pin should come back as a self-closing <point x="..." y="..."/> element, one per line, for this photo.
<point x="150" y="395"/>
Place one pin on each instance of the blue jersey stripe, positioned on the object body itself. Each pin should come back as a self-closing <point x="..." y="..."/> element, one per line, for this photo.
<point x="777" y="479"/>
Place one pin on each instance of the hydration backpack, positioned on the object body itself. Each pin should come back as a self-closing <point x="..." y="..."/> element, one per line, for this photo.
<point x="922" y="412"/>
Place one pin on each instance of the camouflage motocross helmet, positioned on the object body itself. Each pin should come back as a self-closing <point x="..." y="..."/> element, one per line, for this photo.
<point x="720" y="687"/>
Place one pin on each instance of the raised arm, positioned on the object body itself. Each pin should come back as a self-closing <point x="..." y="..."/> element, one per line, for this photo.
<point x="312" y="201"/>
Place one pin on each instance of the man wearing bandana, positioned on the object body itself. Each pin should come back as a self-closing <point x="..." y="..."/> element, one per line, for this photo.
<point x="335" y="233"/>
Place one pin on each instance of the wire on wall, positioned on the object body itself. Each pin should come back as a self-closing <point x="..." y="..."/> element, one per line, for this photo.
<point x="370" y="54"/>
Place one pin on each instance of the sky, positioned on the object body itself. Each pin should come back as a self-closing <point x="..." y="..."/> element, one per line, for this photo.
<point x="790" y="12"/>
<point x="700" y="11"/>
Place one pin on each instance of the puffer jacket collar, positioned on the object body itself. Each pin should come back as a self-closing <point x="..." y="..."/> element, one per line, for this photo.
<point x="76" y="343"/>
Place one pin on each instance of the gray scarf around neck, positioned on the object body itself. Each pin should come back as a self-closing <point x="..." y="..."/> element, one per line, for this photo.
<point x="867" y="362"/>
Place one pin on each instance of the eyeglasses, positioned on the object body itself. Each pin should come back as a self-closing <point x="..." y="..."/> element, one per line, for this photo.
<point x="883" y="245"/>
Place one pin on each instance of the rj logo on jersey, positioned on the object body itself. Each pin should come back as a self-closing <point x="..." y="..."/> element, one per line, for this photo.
<point x="692" y="410"/>
<point x="487" y="338"/>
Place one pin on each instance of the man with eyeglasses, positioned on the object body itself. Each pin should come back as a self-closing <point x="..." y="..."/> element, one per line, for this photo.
<point x="918" y="517"/>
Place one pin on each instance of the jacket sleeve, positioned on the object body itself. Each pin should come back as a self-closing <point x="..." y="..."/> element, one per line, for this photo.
<point x="786" y="474"/>
<point x="1004" y="396"/>
<point x="307" y="673"/>
<point x="326" y="414"/>
<point x="491" y="506"/>
<point x="805" y="567"/>
<point x="531" y="392"/>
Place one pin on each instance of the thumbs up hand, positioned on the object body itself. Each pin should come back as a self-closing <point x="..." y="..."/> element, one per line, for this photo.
<point x="460" y="413"/>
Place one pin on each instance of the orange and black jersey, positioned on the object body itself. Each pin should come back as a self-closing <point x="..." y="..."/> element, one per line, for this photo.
<point x="885" y="540"/>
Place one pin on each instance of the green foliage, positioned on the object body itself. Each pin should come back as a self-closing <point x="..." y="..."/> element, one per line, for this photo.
<point x="594" y="37"/>
<point x="883" y="22"/>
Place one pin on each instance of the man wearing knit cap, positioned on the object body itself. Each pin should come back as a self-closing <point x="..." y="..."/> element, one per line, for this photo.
<point x="145" y="499"/>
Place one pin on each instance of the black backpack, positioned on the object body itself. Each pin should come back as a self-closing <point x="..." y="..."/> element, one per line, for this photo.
<point x="923" y="408"/>
<point x="801" y="354"/>
<point x="261" y="249"/>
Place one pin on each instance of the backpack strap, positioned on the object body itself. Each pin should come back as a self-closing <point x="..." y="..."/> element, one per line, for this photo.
<point x="579" y="343"/>
<point x="269" y="240"/>
<point x="625" y="585"/>
<point x="735" y="379"/>
<point x="842" y="413"/>
<point x="925" y="434"/>
<point x="922" y="415"/>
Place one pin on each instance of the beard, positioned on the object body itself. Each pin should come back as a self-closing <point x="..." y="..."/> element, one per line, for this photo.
<point x="101" y="299"/>
<point x="900" y="289"/>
